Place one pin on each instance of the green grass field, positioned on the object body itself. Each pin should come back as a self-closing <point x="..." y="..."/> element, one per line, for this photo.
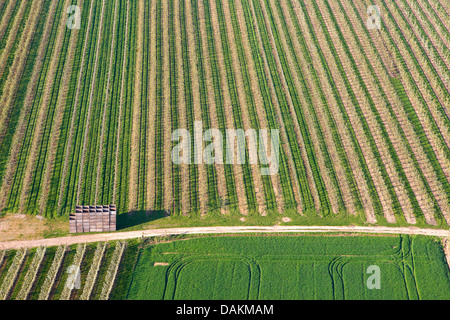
<point x="285" y="267"/>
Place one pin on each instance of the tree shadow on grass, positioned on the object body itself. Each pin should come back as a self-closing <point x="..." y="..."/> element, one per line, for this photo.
<point x="131" y="219"/>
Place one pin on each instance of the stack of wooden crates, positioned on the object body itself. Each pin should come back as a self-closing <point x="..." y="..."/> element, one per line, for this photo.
<point x="93" y="219"/>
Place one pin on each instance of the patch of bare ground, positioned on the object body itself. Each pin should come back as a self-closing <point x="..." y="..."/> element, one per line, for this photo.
<point x="24" y="227"/>
<point x="160" y="264"/>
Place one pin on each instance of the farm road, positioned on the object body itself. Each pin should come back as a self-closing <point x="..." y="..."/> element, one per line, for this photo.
<point x="73" y="239"/>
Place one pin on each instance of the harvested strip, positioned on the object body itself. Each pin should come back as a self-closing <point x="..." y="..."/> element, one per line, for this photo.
<point x="43" y="112"/>
<point x="32" y="272"/>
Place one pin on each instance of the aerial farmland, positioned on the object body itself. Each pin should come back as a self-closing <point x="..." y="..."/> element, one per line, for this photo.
<point x="321" y="128"/>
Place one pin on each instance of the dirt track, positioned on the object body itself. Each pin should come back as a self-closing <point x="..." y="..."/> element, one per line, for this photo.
<point x="210" y="230"/>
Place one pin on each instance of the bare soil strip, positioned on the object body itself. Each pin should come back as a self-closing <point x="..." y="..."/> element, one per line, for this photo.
<point x="219" y="230"/>
<point x="135" y="131"/>
<point x="28" y="102"/>
<point x="43" y="112"/>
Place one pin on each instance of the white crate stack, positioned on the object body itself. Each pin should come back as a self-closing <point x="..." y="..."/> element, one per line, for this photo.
<point x="100" y="218"/>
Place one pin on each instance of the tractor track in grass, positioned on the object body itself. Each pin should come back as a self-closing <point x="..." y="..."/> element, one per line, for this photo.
<point x="114" y="236"/>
